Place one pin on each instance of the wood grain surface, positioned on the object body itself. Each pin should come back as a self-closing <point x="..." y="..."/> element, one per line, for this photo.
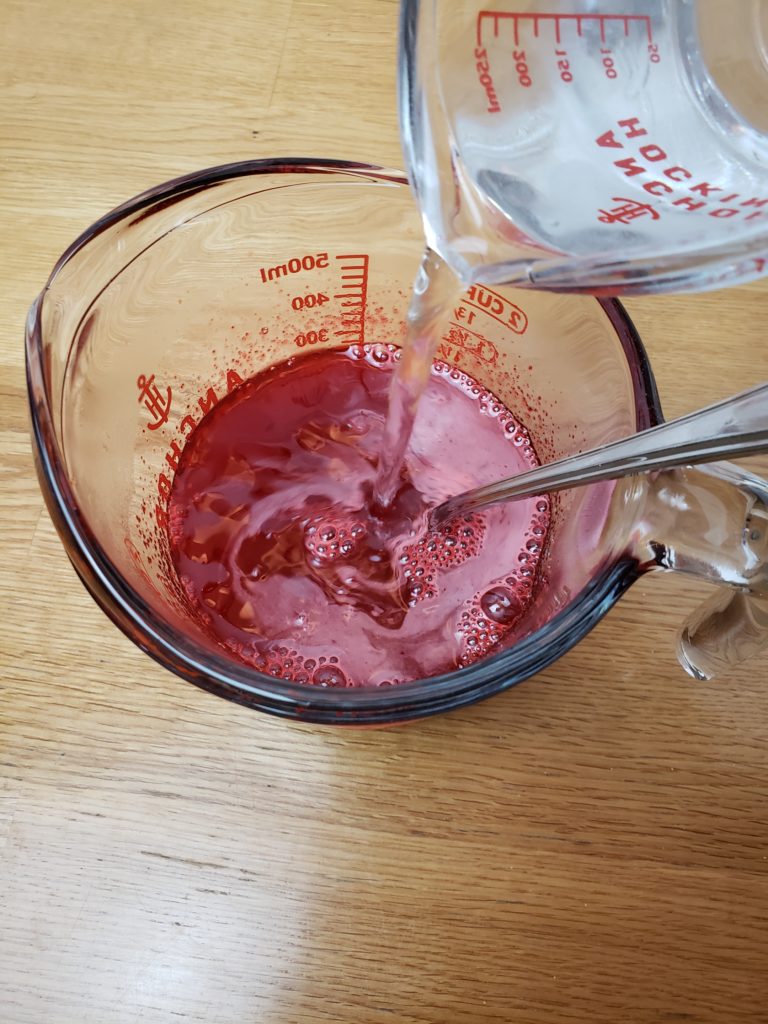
<point x="590" y="847"/>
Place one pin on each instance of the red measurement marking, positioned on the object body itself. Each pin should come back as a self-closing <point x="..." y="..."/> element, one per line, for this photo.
<point x="294" y="266"/>
<point x="352" y="297"/>
<point x="461" y="337"/>
<point x="496" y="306"/>
<point x="157" y="405"/>
<point x="516" y="17"/>
<point x="206" y="402"/>
<point x="626" y="211"/>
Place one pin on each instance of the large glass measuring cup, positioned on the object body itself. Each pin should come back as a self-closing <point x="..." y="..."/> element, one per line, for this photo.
<point x="172" y="300"/>
<point x="610" y="147"/>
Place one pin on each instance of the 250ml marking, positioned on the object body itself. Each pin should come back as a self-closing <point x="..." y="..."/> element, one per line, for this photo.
<point x="483" y="68"/>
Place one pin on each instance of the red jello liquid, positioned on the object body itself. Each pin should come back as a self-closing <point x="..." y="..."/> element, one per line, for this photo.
<point x="288" y="565"/>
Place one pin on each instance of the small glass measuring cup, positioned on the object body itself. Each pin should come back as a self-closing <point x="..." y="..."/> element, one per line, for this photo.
<point x="610" y="147"/>
<point x="170" y="301"/>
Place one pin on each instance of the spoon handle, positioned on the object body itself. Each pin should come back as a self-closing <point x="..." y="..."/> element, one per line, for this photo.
<point x="735" y="427"/>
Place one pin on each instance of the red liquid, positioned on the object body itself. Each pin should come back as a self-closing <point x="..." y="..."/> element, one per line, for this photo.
<point x="288" y="566"/>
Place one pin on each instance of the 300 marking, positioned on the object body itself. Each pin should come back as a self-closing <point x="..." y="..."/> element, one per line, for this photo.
<point x="311" y="337"/>
<point x="345" y="317"/>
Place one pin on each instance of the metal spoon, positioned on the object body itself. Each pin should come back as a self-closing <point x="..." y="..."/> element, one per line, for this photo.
<point x="736" y="426"/>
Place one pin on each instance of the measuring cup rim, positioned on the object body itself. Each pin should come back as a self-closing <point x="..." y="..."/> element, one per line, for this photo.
<point x="198" y="181"/>
<point x="353" y="706"/>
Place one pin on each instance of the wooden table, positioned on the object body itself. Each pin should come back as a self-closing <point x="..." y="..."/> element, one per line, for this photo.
<point x="589" y="847"/>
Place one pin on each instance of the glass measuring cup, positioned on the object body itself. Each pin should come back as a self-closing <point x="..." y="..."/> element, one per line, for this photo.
<point x="169" y="302"/>
<point x="611" y="147"/>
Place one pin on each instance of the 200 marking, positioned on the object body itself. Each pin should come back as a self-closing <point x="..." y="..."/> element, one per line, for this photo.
<point x="521" y="67"/>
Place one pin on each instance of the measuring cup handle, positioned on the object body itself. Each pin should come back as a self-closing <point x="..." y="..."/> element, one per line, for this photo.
<point x="712" y="523"/>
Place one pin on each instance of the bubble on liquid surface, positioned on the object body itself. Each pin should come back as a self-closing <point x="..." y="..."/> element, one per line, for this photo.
<point x="502" y="605"/>
<point x="437" y="551"/>
<point x="333" y="541"/>
<point x="329" y="675"/>
<point x="328" y="538"/>
<point x="289" y="665"/>
<point x="491" y="616"/>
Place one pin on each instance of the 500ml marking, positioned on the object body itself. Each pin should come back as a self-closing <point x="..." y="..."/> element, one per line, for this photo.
<point x="294" y="266"/>
<point x="347" y="320"/>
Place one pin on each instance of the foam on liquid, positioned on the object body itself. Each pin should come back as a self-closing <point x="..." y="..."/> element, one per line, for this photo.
<point x="291" y="564"/>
